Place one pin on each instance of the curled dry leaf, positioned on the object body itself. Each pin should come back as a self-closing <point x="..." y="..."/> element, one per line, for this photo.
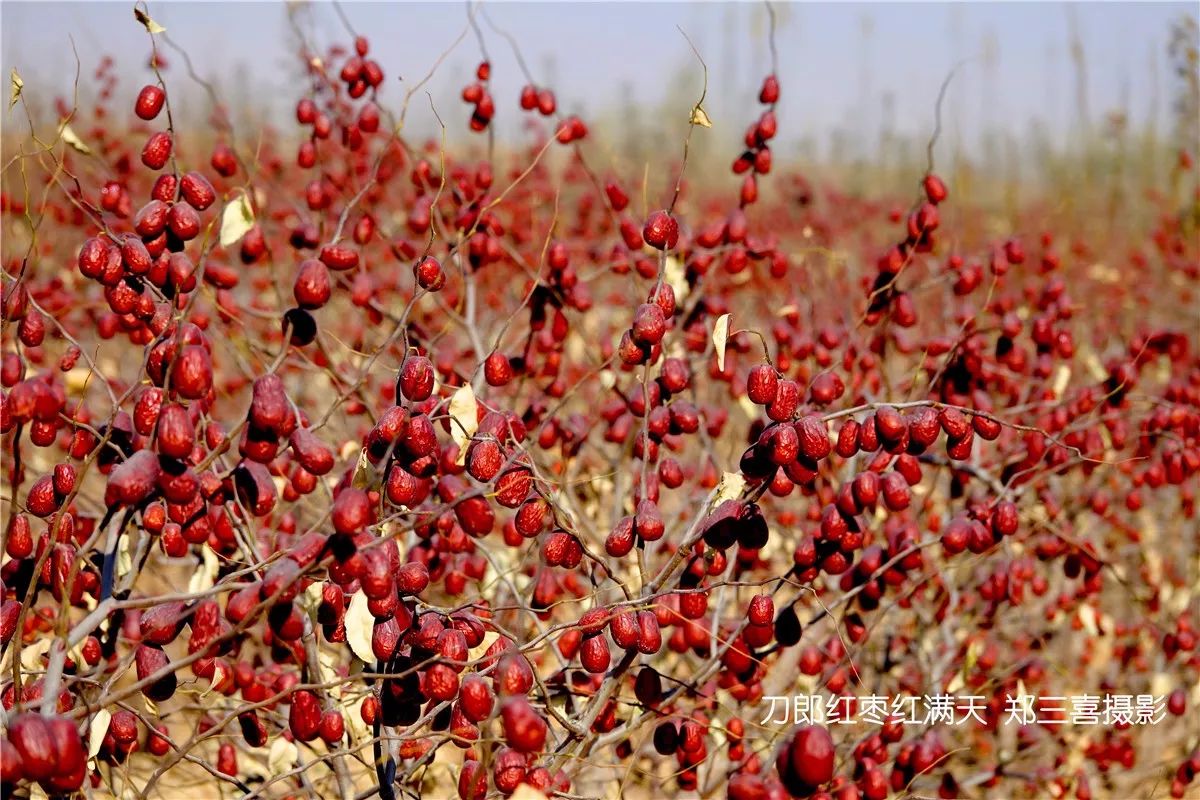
<point x="282" y="756"/>
<point x="203" y="579"/>
<point x="464" y="411"/>
<point x="70" y="137"/>
<point x="17" y="85"/>
<point x="700" y="117"/>
<point x="151" y="25"/>
<point x="675" y="274"/>
<point x="236" y="220"/>
<point x="729" y="488"/>
<point x="360" y="624"/>
<point x="720" y="336"/>
<point x="97" y="730"/>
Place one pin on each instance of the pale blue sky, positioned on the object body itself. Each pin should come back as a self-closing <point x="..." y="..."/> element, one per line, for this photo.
<point x="837" y="60"/>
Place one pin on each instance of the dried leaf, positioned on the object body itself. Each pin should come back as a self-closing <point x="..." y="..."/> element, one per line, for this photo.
<point x="729" y="488"/>
<point x="124" y="557"/>
<point x="360" y="624"/>
<point x="98" y="730"/>
<point x="359" y="732"/>
<point x="282" y="756"/>
<point x="720" y="335"/>
<point x="310" y="599"/>
<point x="489" y="638"/>
<point x="204" y="578"/>
<point x="700" y="117"/>
<point x="675" y="274"/>
<point x="70" y="137"/>
<point x="1087" y="616"/>
<point x="17" y="85"/>
<point x="1094" y="367"/>
<point x="144" y="18"/>
<point x="972" y="658"/>
<point x="363" y="471"/>
<point x="748" y="408"/>
<point x="218" y="676"/>
<point x="328" y="660"/>
<point x="464" y="412"/>
<point x="236" y="220"/>
<point x="1062" y="377"/>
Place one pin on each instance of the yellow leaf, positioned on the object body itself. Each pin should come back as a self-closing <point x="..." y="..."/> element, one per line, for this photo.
<point x="69" y="136"/>
<point x="360" y="624"/>
<point x="1062" y="377"/>
<point x="363" y="471"/>
<point x="97" y="731"/>
<point x="1161" y="684"/>
<point x="1092" y="364"/>
<point x="700" y="117"/>
<point x="675" y="275"/>
<point x="729" y="488"/>
<point x="282" y="756"/>
<point x="17" y="86"/>
<point x="972" y="656"/>
<point x="329" y="664"/>
<point x="477" y="652"/>
<point x="217" y="677"/>
<point x="359" y="732"/>
<point x="204" y="578"/>
<point x="144" y="18"/>
<point x="124" y="557"/>
<point x="1087" y="616"/>
<point x="464" y="413"/>
<point x="748" y="407"/>
<point x="720" y="335"/>
<point x="310" y="599"/>
<point x="236" y="219"/>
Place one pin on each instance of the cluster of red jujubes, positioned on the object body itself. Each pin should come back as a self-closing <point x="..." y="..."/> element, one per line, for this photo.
<point x="517" y="475"/>
<point x="478" y="95"/>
